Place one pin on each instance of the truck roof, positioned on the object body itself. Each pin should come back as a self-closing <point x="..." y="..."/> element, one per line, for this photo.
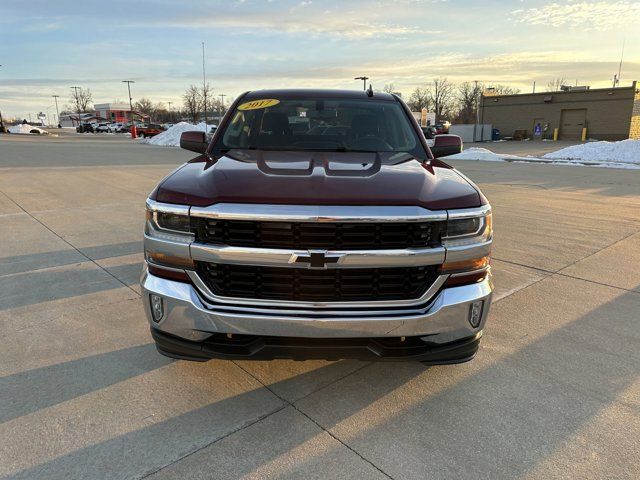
<point x="317" y="92"/>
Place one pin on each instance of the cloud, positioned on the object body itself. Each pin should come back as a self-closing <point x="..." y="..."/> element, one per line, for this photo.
<point x="598" y="16"/>
<point x="302" y="18"/>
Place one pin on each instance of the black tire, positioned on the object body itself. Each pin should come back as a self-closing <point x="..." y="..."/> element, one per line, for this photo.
<point x="141" y="135"/>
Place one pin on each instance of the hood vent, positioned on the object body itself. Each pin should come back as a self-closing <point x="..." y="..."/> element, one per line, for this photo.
<point x="333" y="167"/>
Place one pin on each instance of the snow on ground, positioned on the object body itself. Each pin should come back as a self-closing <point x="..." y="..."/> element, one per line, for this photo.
<point x="624" y="151"/>
<point x="25" y="128"/>
<point x="622" y="154"/>
<point x="476" y="153"/>
<point x="171" y="136"/>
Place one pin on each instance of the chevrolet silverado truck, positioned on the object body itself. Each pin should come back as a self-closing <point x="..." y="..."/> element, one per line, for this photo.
<point x="284" y="240"/>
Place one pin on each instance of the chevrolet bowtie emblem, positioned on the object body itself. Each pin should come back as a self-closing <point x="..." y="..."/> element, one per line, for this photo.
<point x="315" y="259"/>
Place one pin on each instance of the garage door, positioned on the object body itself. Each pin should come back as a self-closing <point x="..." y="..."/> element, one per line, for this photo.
<point x="571" y="124"/>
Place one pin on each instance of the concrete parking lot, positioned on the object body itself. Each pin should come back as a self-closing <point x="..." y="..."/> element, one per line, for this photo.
<point x="553" y="393"/>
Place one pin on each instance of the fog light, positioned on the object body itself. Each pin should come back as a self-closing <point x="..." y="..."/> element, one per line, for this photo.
<point x="475" y="313"/>
<point x="157" y="308"/>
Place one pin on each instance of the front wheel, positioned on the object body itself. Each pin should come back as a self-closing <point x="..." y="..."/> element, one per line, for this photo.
<point x="141" y="135"/>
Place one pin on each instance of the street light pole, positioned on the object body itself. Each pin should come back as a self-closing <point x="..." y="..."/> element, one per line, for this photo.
<point x="222" y="95"/>
<point x="57" y="112"/>
<point x="204" y="90"/>
<point x="133" y="125"/>
<point x="75" y="89"/>
<point x="364" y="81"/>
<point x="475" y="125"/>
<point x="1" y="121"/>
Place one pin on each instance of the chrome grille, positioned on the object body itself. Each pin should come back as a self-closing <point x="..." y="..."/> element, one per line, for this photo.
<point x="299" y="284"/>
<point x="318" y="235"/>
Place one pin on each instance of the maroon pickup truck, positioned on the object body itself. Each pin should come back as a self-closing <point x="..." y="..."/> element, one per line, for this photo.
<point x="317" y="224"/>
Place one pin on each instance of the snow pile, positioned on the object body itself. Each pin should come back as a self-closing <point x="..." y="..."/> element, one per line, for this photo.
<point x="171" y="136"/>
<point x="476" y="154"/>
<point x="624" y="151"/>
<point x="25" y="128"/>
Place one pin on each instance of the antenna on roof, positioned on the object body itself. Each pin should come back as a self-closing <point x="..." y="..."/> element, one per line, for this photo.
<point x="370" y="91"/>
<point x="620" y="66"/>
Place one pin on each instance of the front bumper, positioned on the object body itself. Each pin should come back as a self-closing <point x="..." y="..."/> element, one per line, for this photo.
<point x="187" y="317"/>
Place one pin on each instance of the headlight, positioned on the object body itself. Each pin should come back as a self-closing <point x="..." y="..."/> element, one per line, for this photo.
<point x="467" y="230"/>
<point x="168" y="222"/>
<point x="468" y="242"/>
<point x="168" y="235"/>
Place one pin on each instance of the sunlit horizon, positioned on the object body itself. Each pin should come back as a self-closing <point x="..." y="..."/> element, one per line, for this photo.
<point x="47" y="47"/>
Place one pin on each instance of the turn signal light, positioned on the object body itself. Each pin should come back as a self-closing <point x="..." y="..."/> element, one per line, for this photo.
<point x="169" y="260"/>
<point x="465" y="265"/>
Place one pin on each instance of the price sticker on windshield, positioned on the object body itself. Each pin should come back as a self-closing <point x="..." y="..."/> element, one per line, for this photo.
<point x="258" y="104"/>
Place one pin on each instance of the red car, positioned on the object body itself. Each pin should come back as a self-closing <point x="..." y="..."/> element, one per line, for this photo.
<point x="149" y="130"/>
<point x="284" y="240"/>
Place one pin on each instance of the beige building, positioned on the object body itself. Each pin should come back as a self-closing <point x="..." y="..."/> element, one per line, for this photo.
<point x="606" y="113"/>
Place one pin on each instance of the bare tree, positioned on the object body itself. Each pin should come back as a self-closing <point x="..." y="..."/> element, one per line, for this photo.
<point x="145" y="105"/>
<point x="391" y="88"/>
<point x="207" y="100"/>
<point x="441" y="95"/>
<point x="419" y="99"/>
<point x="468" y="100"/>
<point x="81" y="99"/>
<point x="500" y="89"/>
<point x="555" y="84"/>
<point x="191" y="102"/>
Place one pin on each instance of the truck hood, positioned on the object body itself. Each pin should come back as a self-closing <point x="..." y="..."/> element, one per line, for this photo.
<point x="317" y="178"/>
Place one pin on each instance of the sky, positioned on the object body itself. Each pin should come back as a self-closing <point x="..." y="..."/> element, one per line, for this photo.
<point x="48" y="46"/>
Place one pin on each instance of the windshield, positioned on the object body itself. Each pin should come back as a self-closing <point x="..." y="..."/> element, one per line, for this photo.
<point x="335" y="125"/>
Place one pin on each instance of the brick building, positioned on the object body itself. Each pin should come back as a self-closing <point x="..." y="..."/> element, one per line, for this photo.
<point x="606" y="113"/>
<point x="117" y="112"/>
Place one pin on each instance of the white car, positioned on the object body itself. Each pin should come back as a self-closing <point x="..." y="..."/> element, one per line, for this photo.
<point x="103" y="128"/>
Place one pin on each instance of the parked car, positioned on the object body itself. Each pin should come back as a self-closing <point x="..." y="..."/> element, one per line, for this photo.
<point x="447" y="146"/>
<point x="275" y="244"/>
<point x="442" y="128"/>
<point x="430" y="133"/>
<point x="103" y="128"/>
<point x="85" y="128"/>
<point x="149" y="130"/>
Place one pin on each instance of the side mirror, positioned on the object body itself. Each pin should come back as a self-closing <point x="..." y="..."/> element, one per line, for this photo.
<point x="194" y="141"/>
<point x="444" y="145"/>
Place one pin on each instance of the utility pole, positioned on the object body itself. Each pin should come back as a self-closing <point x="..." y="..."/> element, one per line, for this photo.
<point x="2" y="130"/>
<point x="77" y="98"/>
<point x="222" y="95"/>
<point x="204" y="90"/>
<point x="534" y="86"/>
<point x="57" y="112"/>
<point x="133" y="125"/>
<point x="475" y="125"/>
<point x="364" y="81"/>
<point x="170" y="113"/>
